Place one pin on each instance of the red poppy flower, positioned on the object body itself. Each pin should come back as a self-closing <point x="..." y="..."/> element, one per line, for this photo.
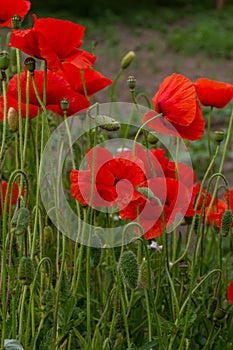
<point x="214" y="93"/>
<point x="55" y="41"/>
<point x="181" y="113"/>
<point x="115" y="180"/>
<point x="230" y="292"/>
<point x="195" y="193"/>
<point x="94" y="81"/>
<point x="57" y="89"/>
<point x="14" y="198"/>
<point x="9" y="8"/>
<point x="216" y="212"/>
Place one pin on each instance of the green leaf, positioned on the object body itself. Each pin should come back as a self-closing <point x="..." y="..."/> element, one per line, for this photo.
<point x="149" y="345"/>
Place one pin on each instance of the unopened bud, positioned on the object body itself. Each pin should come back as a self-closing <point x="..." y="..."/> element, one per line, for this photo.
<point x="107" y="123"/>
<point x="226" y="222"/>
<point x="30" y="64"/>
<point x="26" y="271"/>
<point x="147" y="192"/>
<point x="20" y="221"/>
<point x="4" y="60"/>
<point x="13" y="119"/>
<point x="127" y="59"/>
<point x="131" y="82"/>
<point x="16" y="22"/>
<point x="218" y="136"/>
<point x="130" y="269"/>
<point x="219" y="314"/>
<point x="48" y="234"/>
<point x="152" y="138"/>
<point x="65" y="104"/>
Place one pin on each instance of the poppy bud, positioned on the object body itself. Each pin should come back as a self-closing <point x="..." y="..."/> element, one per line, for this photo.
<point x="219" y="314"/>
<point x="47" y="300"/>
<point x="95" y="253"/>
<point x="13" y="119"/>
<point x="127" y="59"/>
<point x="21" y="221"/>
<point x="107" y="123"/>
<point x="146" y="191"/>
<point x="30" y="63"/>
<point x="143" y="281"/>
<point x="4" y="60"/>
<point x="16" y="22"/>
<point x="48" y="234"/>
<point x="218" y="136"/>
<point x="130" y="269"/>
<point x="26" y="271"/>
<point x="152" y="138"/>
<point x="212" y="306"/>
<point x="226" y="222"/>
<point x="131" y="82"/>
<point x="65" y="104"/>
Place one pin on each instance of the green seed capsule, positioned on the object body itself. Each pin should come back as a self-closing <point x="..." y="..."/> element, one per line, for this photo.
<point x="107" y="123"/>
<point x="65" y="104"/>
<point x="226" y="222"/>
<point x="131" y="82"/>
<point x="30" y="64"/>
<point x="21" y="221"/>
<point x="26" y="271"/>
<point x="16" y="22"/>
<point x="130" y="269"/>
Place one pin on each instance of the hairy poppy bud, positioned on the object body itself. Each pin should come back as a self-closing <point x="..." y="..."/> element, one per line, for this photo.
<point x="127" y="59"/>
<point x="13" y="119"/>
<point x="4" y="60"/>
<point x="47" y="300"/>
<point x="21" y="221"/>
<point x="212" y="306"/>
<point x="146" y="191"/>
<point x="30" y="64"/>
<point x="26" y="271"/>
<point x="107" y="123"/>
<point x="144" y="281"/>
<point x="226" y="222"/>
<point x="131" y="82"/>
<point x="65" y="104"/>
<point x="48" y="234"/>
<point x="152" y="138"/>
<point x="16" y="21"/>
<point x="219" y="314"/>
<point x="129" y="268"/>
<point x="218" y="136"/>
<point x="95" y="253"/>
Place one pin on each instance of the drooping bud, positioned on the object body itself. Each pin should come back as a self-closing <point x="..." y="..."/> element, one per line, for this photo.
<point x="130" y="269"/>
<point x="4" y="60"/>
<point x="20" y="221"/>
<point x="146" y="191"/>
<point x="218" y="136"/>
<point x="30" y="64"/>
<point x="219" y="314"/>
<point x="152" y="138"/>
<point x="65" y="104"/>
<point x="107" y="123"/>
<point x="26" y="271"/>
<point x="48" y="234"/>
<point x="212" y="306"/>
<point x="13" y="119"/>
<point x="226" y="222"/>
<point x="127" y="59"/>
<point x="131" y="82"/>
<point x="144" y="280"/>
<point x="16" y="22"/>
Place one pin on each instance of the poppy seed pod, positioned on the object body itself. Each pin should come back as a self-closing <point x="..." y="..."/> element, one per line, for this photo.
<point x="127" y="59"/>
<point x="48" y="234"/>
<point x="131" y="82"/>
<point x="65" y="104"/>
<point x="13" y="119"/>
<point x="130" y="269"/>
<point x="226" y="222"/>
<point x="144" y="280"/>
<point x="20" y="221"/>
<point x="4" y="60"/>
<point x="16" y="21"/>
<point x="30" y="63"/>
<point x="218" y="136"/>
<point x="26" y="271"/>
<point x="107" y="123"/>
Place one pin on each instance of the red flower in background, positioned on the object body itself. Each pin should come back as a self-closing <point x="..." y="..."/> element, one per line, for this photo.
<point x="214" y="93"/>
<point x="9" y="8"/>
<point x="181" y="116"/>
<point x="14" y="199"/>
<point x="195" y="193"/>
<point x="230" y="292"/>
<point x="57" y="89"/>
<point x="55" y="41"/>
<point x="115" y="180"/>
